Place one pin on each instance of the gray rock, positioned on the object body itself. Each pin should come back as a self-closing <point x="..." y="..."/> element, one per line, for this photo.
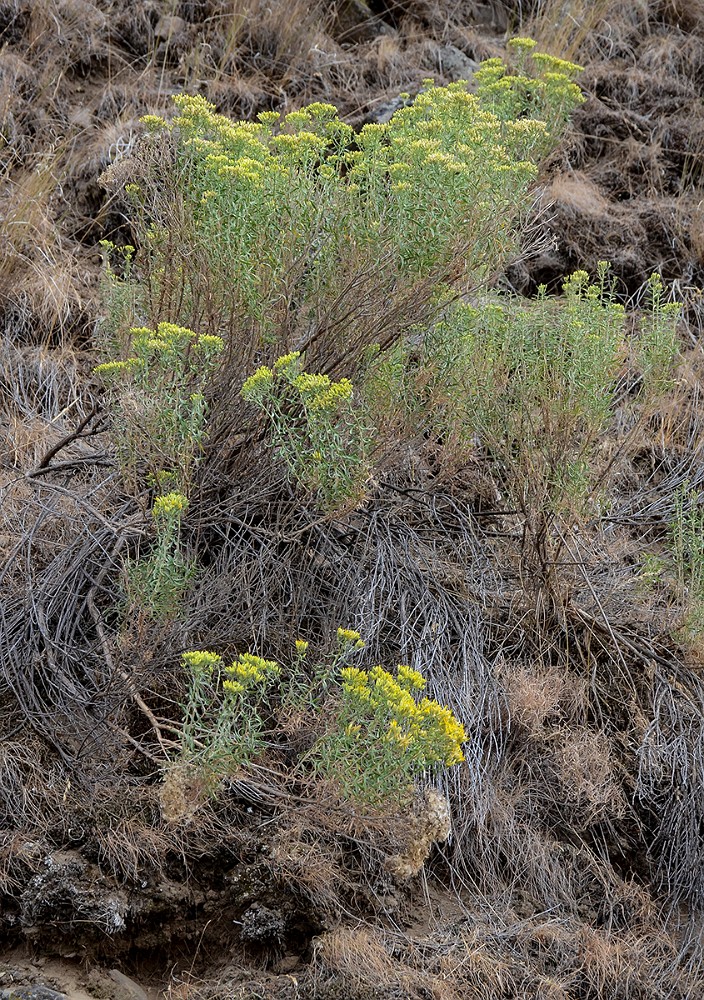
<point x="356" y="22"/>
<point x="31" y="993"/>
<point x="454" y="64"/>
<point x="169" y="27"/>
<point x="385" y="111"/>
<point x="130" y="989"/>
<point x="67" y="892"/>
<point x="262" y="925"/>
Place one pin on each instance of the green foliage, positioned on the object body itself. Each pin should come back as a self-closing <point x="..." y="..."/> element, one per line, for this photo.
<point x="314" y="428"/>
<point x="121" y="292"/>
<point x="530" y="384"/>
<point x="279" y="213"/>
<point x="223" y="724"/>
<point x="533" y="85"/>
<point x="651" y="572"/>
<point x="687" y="532"/>
<point x="385" y="736"/>
<point x="157" y="396"/>
<point x="375" y="733"/>
<point x="270" y="231"/>
<point x="657" y="349"/>
<point x="156" y="584"/>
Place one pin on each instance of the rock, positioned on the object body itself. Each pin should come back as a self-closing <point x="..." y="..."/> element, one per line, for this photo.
<point x="454" y="64"/>
<point x="130" y="989"/>
<point x="172" y="37"/>
<point x="169" y="28"/>
<point x="31" y="993"/>
<point x="70" y="892"/>
<point x="356" y="22"/>
<point x="287" y="964"/>
<point x="262" y="925"/>
<point x="385" y="111"/>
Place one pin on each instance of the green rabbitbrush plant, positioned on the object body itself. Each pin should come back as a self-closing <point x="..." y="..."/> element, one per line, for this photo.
<point x="531" y="384"/>
<point x="280" y="213"/>
<point x="375" y="731"/>
<point x="157" y="398"/>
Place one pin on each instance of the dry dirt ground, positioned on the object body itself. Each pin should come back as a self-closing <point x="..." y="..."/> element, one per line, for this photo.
<point x="265" y="901"/>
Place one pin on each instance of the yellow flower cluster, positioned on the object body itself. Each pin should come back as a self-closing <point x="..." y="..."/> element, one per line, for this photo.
<point x="430" y="733"/>
<point x="522" y="44"/>
<point x="170" y="506"/>
<point x="339" y="392"/>
<point x="154" y="123"/>
<point x="110" y="369"/>
<point x="348" y="637"/>
<point x="318" y="392"/>
<point x="269" y="118"/>
<point x="301" y="647"/>
<point x="310" y="384"/>
<point x="201" y="661"/>
<point x="249" y="671"/>
<point x="258" y="385"/>
<point x="287" y="361"/>
<point x="170" y="336"/>
<point x="209" y="343"/>
<point x="301" y="145"/>
<point x="552" y="64"/>
<point x="409" y="679"/>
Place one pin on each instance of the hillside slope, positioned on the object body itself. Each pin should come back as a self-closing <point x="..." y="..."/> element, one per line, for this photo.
<point x="570" y="646"/>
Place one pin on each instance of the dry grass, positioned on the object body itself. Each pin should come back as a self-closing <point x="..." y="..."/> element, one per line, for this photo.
<point x="563" y="26"/>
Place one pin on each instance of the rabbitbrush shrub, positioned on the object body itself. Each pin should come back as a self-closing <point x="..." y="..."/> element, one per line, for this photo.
<point x="376" y="732"/>
<point x="258" y="221"/>
<point x="303" y="251"/>
<point x="531" y="384"/>
<point x="159" y="409"/>
<point x="298" y="235"/>
<point x="156" y="395"/>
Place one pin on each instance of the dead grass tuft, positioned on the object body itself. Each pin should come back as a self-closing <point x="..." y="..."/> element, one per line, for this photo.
<point x="358" y="955"/>
<point x="542" y="694"/>
<point x="589" y="775"/>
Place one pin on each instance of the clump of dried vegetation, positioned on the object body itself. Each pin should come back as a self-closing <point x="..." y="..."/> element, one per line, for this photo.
<point x="544" y="569"/>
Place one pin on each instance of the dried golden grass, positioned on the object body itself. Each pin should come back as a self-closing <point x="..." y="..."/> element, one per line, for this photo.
<point x="38" y="275"/>
<point x="357" y="960"/>
<point x="589" y="774"/>
<point x="542" y="693"/>
<point x="562" y="26"/>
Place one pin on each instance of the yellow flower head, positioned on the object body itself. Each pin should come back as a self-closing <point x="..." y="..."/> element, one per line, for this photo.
<point x="233" y="687"/>
<point x="348" y="637"/>
<point x="210" y="344"/>
<point x="170" y="506"/>
<point x="111" y="369"/>
<point x="201" y="661"/>
<point x="409" y="679"/>
<point x="258" y="384"/>
<point x="250" y="670"/>
<point x="287" y="361"/>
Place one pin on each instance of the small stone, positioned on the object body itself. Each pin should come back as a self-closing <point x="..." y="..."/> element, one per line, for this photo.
<point x="130" y="989"/>
<point x="262" y="925"/>
<point x="454" y="64"/>
<point x="169" y="27"/>
<point x="356" y="22"/>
